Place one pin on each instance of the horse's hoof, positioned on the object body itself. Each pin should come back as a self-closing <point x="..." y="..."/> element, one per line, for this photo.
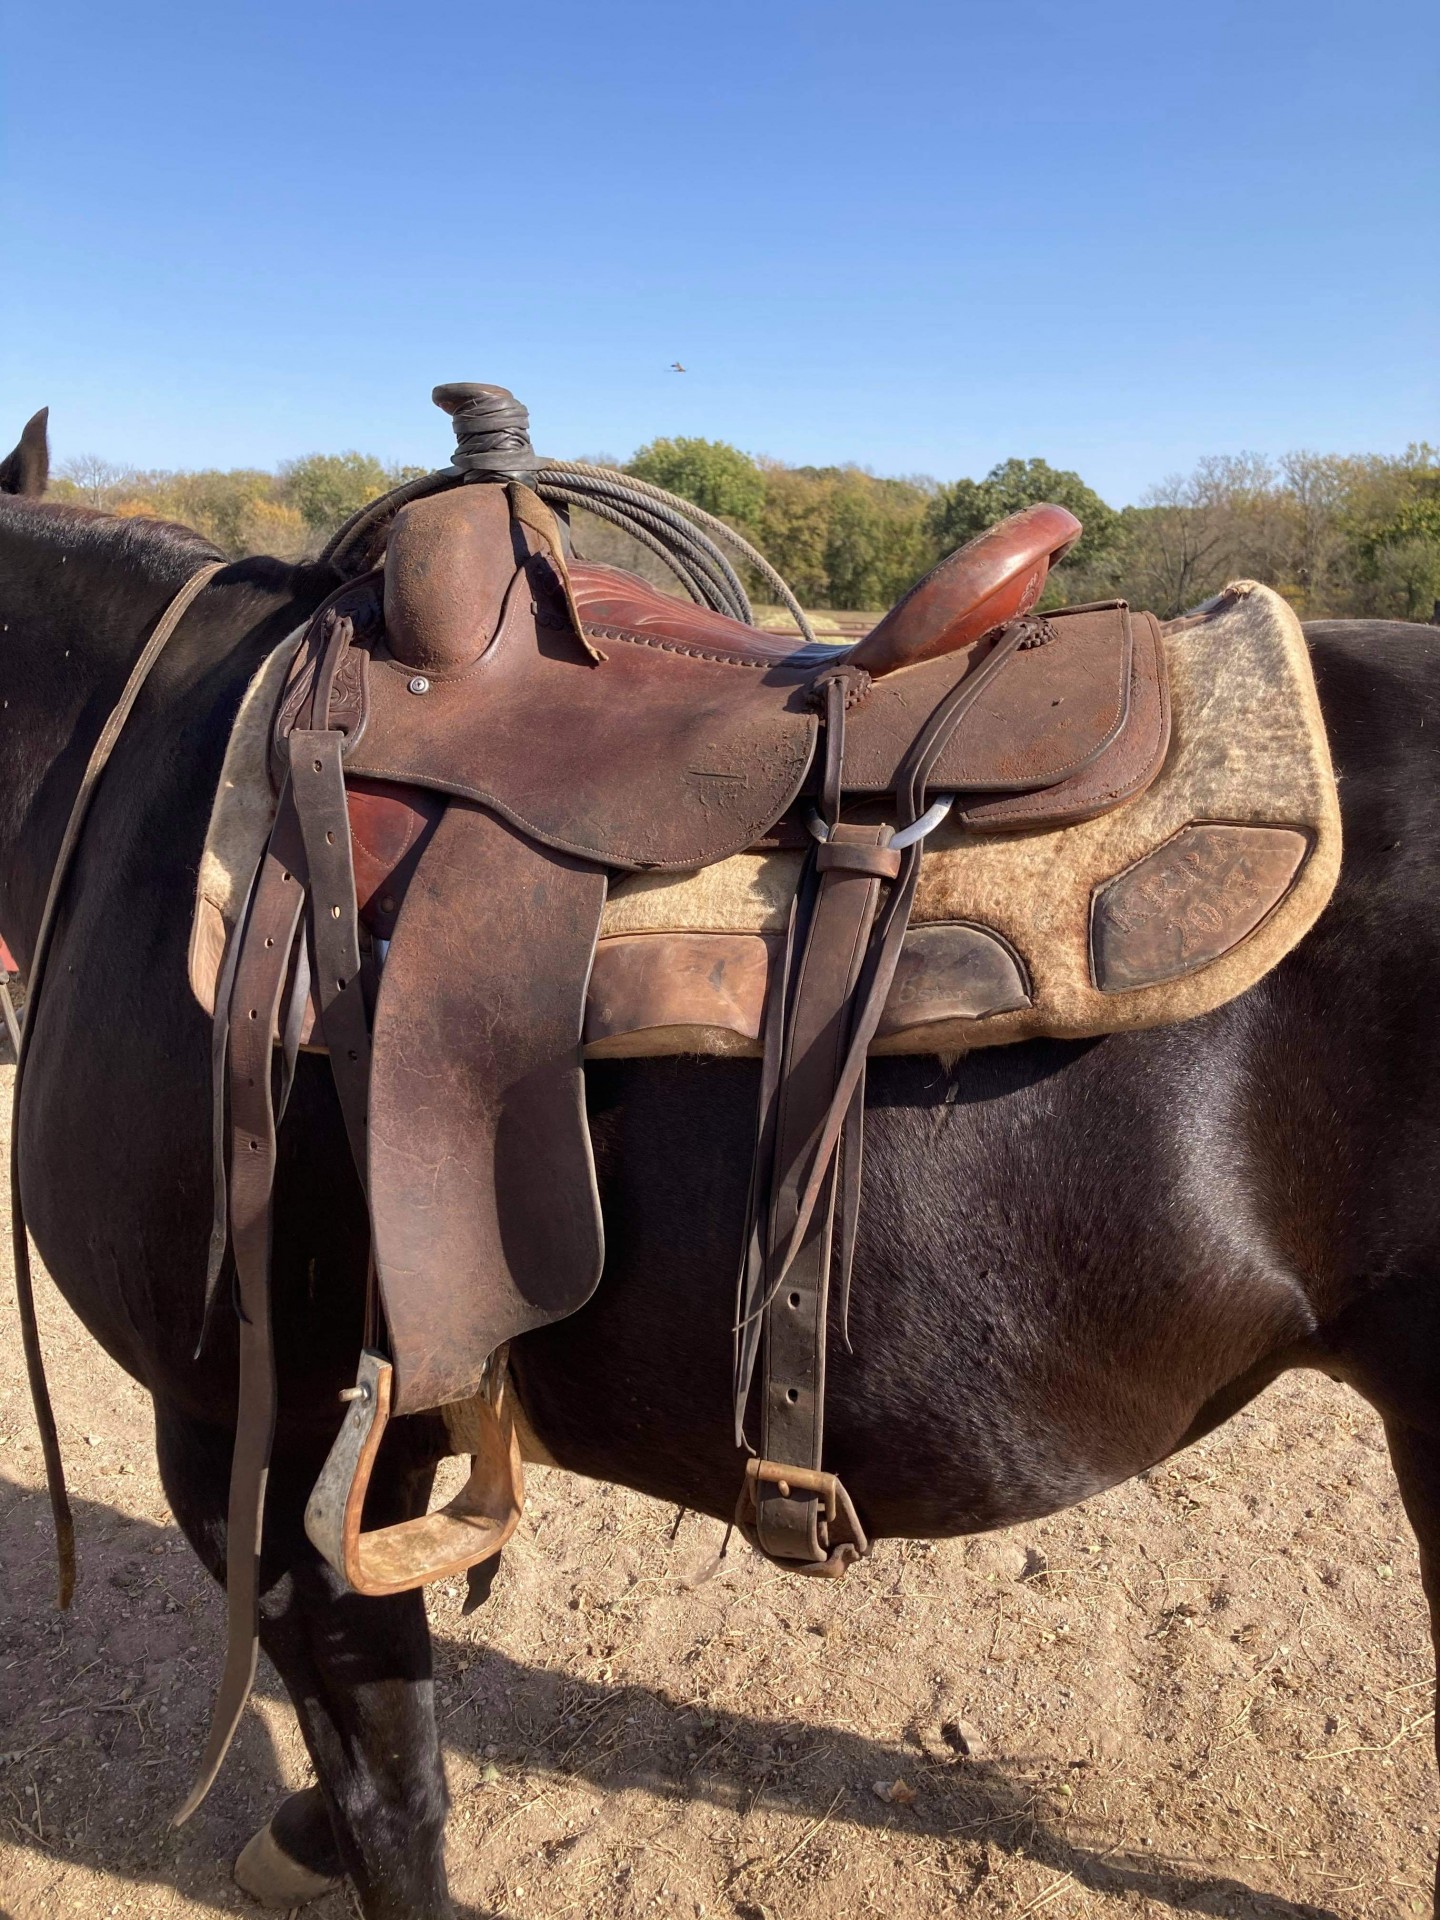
<point x="268" y="1874"/>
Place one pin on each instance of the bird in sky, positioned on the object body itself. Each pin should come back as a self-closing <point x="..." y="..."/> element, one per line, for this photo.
<point x="675" y="367"/>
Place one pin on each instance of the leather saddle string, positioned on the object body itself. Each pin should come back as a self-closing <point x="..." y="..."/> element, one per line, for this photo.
<point x="750" y="1292"/>
<point x="95" y="766"/>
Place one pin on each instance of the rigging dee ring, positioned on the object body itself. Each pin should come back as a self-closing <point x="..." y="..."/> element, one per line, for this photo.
<point x="907" y="836"/>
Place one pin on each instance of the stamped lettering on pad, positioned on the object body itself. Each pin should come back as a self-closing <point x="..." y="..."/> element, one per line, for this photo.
<point x="1190" y="901"/>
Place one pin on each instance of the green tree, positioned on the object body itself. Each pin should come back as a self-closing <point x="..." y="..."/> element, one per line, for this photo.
<point x="878" y="540"/>
<point x="327" y="488"/>
<point x="794" y="528"/>
<point x="968" y="507"/>
<point x="1392" y="518"/>
<point x="712" y="473"/>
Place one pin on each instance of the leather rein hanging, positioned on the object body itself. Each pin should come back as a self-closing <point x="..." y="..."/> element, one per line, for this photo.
<point x="100" y="753"/>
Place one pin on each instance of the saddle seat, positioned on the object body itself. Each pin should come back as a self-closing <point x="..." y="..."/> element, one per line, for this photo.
<point x="615" y="605"/>
<point x="450" y="561"/>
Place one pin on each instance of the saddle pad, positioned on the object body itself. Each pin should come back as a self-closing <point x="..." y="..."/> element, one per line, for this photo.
<point x="1159" y="911"/>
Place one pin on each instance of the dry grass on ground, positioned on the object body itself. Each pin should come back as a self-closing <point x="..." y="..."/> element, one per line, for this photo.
<point x="1208" y="1692"/>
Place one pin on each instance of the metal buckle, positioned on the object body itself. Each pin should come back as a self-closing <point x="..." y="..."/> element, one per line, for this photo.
<point x="840" y="1515"/>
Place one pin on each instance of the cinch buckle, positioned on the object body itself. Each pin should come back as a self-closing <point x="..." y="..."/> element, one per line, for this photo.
<point x="839" y="1511"/>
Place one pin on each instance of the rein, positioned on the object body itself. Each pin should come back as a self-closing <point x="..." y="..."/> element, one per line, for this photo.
<point x="64" y="860"/>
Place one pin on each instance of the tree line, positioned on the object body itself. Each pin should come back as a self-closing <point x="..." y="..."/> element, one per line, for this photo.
<point x="1337" y="534"/>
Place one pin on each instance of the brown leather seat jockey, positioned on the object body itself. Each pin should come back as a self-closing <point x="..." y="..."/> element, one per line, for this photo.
<point x="474" y="737"/>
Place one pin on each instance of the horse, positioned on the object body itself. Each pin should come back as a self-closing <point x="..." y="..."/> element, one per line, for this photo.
<point x="1075" y="1258"/>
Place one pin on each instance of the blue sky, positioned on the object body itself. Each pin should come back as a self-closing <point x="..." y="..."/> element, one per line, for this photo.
<point x="920" y="236"/>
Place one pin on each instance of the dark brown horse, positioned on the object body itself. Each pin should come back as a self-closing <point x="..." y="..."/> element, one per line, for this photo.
<point x="1075" y="1258"/>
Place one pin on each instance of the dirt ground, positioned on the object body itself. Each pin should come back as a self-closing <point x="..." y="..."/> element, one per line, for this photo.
<point x="1208" y="1692"/>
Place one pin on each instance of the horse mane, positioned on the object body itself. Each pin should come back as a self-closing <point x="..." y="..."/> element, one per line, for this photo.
<point x="134" y="540"/>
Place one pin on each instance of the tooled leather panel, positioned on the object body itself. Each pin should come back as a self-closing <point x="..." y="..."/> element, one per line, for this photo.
<point x="1190" y="901"/>
<point x="359" y="603"/>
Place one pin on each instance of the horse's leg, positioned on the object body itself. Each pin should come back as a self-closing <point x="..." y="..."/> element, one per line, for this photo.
<point x="1415" y="1455"/>
<point x="358" y="1672"/>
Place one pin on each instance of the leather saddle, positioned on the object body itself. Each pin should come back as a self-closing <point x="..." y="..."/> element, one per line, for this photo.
<point x="474" y="737"/>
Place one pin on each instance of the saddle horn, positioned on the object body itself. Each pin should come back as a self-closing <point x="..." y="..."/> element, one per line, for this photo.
<point x="450" y="558"/>
<point x="492" y="430"/>
<point x="991" y="579"/>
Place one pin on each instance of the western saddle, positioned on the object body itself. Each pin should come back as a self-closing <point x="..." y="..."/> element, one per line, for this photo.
<point x="478" y="731"/>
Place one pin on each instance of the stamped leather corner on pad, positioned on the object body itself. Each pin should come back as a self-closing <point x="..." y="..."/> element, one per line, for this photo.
<point x="1189" y="901"/>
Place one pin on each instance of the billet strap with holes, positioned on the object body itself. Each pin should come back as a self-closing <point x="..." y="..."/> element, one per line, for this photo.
<point x="160" y="635"/>
<point x="828" y="992"/>
<point x="850" y="867"/>
<point x="255" y="1003"/>
<point x="267" y="956"/>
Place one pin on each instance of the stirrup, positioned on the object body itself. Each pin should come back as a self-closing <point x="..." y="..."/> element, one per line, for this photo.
<point x="471" y="1527"/>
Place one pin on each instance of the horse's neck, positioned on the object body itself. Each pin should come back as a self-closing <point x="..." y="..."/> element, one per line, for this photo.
<point x="73" y="617"/>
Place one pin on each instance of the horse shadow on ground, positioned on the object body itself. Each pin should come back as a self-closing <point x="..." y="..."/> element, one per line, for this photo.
<point x="613" y="1738"/>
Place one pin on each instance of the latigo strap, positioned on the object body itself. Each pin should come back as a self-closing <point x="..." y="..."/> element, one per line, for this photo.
<point x="844" y="945"/>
